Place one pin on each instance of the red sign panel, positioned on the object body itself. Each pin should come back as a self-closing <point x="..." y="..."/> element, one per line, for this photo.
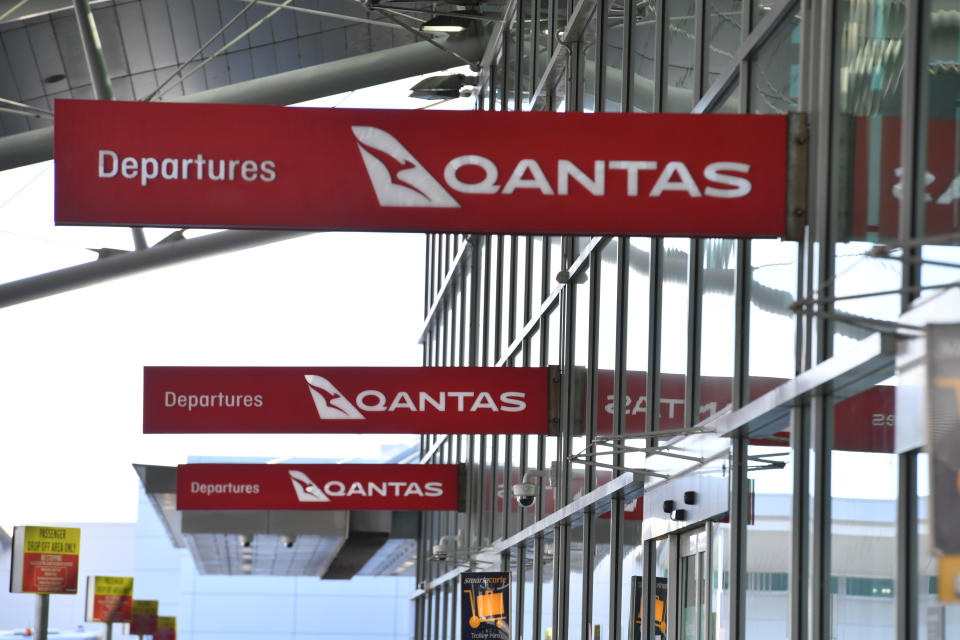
<point x="242" y="166"/>
<point x="345" y="400"/>
<point x="861" y="423"/>
<point x="877" y="178"/>
<point x="358" y="487"/>
<point x="109" y="599"/>
<point x="44" y="560"/>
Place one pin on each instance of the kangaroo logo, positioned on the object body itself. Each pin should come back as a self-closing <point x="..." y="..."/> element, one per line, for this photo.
<point x="397" y="177"/>
<point x="307" y="490"/>
<point x="331" y="405"/>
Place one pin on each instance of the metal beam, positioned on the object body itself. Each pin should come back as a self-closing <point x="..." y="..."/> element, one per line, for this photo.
<point x="285" y="88"/>
<point x="126" y="264"/>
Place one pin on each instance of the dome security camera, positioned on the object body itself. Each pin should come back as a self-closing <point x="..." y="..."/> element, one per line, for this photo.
<point x="440" y="552"/>
<point x="525" y="493"/>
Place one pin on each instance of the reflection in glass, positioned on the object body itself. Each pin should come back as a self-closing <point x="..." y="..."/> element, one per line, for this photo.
<point x="773" y="267"/>
<point x="643" y="46"/>
<point x="588" y="64"/>
<point x="770" y="486"/>
<point x="678" y="58"/>
<point x="510" y="55"/>
<point x="941" y="201"/>
<point x="723" y="36"/>
<point x="674" y="318"/>
<point x="613" y="42"/>
<point x="863" y="496"/>
<point x="775" y="71"/>
<point x="865" y="159"/>
<point x="632" y="567"/>
<point x="718" y="331"/>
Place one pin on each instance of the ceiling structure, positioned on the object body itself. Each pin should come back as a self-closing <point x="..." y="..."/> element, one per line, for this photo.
<point x="333" y="545"/>
<point x="222" y="51"/>
<point x="230" y="51"/>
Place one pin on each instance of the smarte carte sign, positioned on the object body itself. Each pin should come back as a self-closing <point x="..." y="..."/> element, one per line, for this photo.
<point x="345" y="400"/>
<point x="45" y="560"/>
<point x="411" y="487"/>
<point x="243" y="166"/>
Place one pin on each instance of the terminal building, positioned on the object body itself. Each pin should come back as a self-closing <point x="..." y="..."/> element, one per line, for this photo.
<point x="739" y="445"/>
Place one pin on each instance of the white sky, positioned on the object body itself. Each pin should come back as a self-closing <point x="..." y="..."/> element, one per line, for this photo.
<point x="71" y="364"/>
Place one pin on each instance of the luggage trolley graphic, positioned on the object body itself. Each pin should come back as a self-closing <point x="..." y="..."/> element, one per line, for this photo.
<point x="487" y="608"/>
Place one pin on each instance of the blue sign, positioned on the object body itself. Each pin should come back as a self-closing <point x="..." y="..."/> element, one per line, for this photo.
<point x="485" y="606"/>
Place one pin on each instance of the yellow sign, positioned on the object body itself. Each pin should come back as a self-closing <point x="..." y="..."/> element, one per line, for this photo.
<point x="948" y="582"/>
<point x="109" y="586"/>
<point x="45" y="559"/>
<point x="167" y="622"/>
<point x="145" y="607"/>
<point x="64" y="540"/>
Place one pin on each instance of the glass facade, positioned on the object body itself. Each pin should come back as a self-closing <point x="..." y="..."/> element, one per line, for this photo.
<point x="663" y="345"/>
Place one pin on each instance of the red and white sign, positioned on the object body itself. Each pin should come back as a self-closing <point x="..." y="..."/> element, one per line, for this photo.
<point x="143" y="617"/>
<point x="876" y="188"/>
<point x="242" y="166"/>
<point x="166" y="628"/>
<point x="44" y="560"/>
<point x="345" y="400"/>
<point x="109" y="599"/>
<point x="357" y="487"/>
<point x="864" y="422"/>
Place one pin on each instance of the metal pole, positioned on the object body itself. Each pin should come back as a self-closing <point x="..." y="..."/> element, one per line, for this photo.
<point x="41" y="616"/>
<point x="99" y="76"/>
<point x="97" y="65"/>
<point x="109" y="635"/>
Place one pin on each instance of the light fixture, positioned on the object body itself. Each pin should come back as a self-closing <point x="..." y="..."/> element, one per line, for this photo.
<point x="446" y="23"/>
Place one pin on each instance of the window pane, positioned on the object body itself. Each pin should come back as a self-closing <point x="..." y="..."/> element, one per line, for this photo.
<point x="941" y="197"/>
<point x="643" y="48"/>
<point x="679" y="44"/>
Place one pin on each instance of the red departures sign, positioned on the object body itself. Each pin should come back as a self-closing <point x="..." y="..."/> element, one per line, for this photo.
<point x="410" y="487"/>
<point x="261" y="167"/>
<point x="345" y="400"/>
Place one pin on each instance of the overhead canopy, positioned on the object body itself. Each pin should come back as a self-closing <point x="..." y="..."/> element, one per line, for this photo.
<point x="328" y="544"/>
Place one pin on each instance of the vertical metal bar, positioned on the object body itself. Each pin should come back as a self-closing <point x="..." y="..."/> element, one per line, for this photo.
<point x="600" y="57"/>
<point x="820" y="553"/>
<point x="93" y="51"/>
<point x="561" y="577"/>
<point x="648" y="592"/>
<point x="519" y="589"/>
<point x="626" y="73"/>
<point x="913" y="155"/>
<point x="505" y="487"/>
<point x="99" y="75"/>
<point x="673" y="589"/>
<point x="700" y="48"/>
<point x="537" y="622"/>
<point x="800" y="525"/>
<point x="694" y="332"/>
<point x="512" y="306"/>
<point x="913" y="151"/>
<point x="739" y="513"/>
<point x="741" y="332"/>
<point x="907" y="578"/>
<point x="518" y="63"/>
<point x="498" y="303"/>
<point x="591" y="404"/>
<point x="654" y="335"/>
<point x="41" y="615"/>
<point x="619" y="428"/>
<point x="743" y="89"/>
<point x="659" y="49"/>
<point x="485" y="343"/>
